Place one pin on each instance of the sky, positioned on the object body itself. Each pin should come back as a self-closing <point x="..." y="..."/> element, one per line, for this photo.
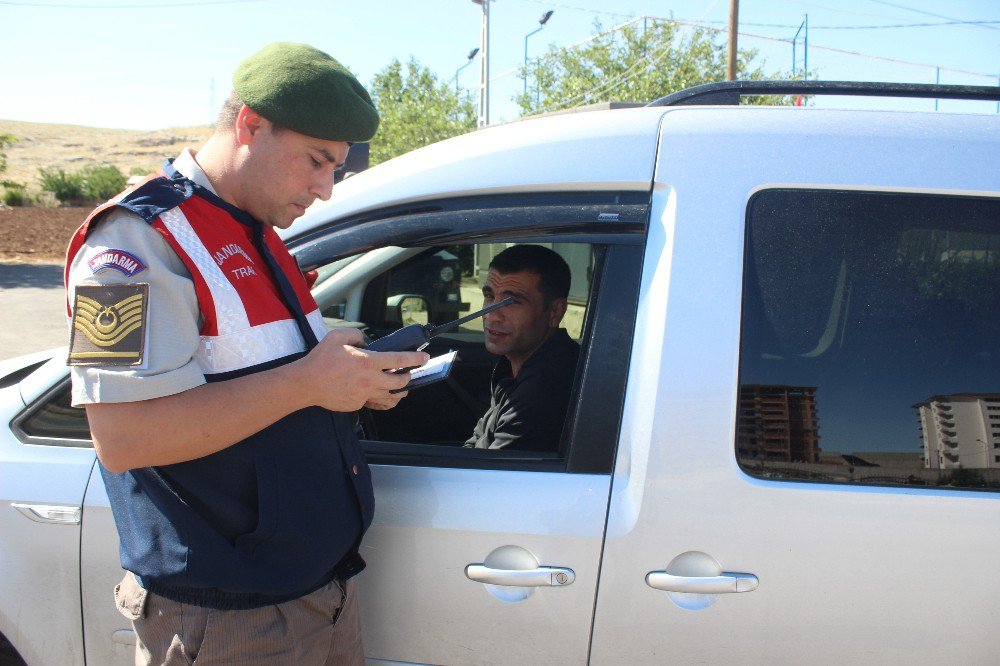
<point x="152" y="64"/>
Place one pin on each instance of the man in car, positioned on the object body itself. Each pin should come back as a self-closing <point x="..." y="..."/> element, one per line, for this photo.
<point x="532" y="382"/>
<point x="215" y="396"/>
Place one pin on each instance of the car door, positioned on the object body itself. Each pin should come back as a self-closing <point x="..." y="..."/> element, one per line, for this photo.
<point x="812" y="473"/>
<point x="492" y="556"/>
<point x="45" y="470"/>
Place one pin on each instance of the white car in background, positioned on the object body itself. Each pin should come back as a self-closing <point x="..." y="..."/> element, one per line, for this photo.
<point x="784" y="443"/>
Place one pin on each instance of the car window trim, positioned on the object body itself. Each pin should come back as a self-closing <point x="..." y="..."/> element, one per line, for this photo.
<point x="588" y="443"/>
<point x="17" y="423"/>
<point x="596" y="218"/>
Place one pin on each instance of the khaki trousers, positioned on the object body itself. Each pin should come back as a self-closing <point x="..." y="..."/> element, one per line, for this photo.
<point x="321" y="628"/>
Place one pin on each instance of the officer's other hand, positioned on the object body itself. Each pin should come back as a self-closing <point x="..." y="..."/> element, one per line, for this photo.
<point x="343" y="377"/>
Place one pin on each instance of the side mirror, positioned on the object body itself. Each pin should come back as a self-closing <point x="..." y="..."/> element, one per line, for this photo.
<point x="406" y="309"/>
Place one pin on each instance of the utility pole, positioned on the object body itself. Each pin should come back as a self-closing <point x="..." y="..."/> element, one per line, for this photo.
<point x="804" y="26"/>
<point x="937" y="80"/>
<point x="734" y="22"/>
<point x="484" y="65"/>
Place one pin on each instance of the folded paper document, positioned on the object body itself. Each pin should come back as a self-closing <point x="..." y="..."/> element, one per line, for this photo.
<point x="434" y="370"/>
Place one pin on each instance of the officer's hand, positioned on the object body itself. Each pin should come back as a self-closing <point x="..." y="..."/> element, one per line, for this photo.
<point x="342" y="377"/>
<point x="390" y="401"/>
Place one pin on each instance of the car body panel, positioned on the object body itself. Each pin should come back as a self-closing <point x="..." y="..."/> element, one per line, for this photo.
<point x="417" y="604"/>
<point x="538" y="155"/>
<point x="46" y="376"/>
<point x="40" y="561"/>
<point x="845" y="572"/>
<point x="109" y="636"/>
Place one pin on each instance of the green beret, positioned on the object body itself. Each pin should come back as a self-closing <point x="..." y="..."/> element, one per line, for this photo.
<point x="301" y="88"/>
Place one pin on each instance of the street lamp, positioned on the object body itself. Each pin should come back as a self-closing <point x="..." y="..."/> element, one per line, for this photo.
<point x="541" y="24"/>
<point x="472" y="54"/>
<point x="484" y="65"/>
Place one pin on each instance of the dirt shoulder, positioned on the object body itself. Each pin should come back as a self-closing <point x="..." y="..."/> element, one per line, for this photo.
<point x="38" y="235"/>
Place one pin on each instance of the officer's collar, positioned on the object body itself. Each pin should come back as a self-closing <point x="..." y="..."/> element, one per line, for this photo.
<point x="240" y="215"/>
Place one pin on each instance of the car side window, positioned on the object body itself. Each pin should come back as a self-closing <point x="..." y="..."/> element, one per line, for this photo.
<point x="438" y="285"/>
<point x="394" y="266"/>
<point x="869" y="345"/>
<point x="53" y="420"/>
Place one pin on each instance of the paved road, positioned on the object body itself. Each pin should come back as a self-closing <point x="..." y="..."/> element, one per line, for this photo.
<point x="32" y="309"/>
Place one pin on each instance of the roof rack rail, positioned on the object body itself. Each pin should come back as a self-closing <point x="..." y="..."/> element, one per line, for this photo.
<point x="729" y="92"/>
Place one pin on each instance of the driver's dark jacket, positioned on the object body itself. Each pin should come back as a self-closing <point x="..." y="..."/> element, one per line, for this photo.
<point x="270" y="518"/>
<point x="526" y="413"/>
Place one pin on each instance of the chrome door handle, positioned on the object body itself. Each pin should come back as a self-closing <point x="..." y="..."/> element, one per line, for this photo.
<point x="725" y="583"/>
<point x="537" y="577"/>
<point x="49" y="513"/>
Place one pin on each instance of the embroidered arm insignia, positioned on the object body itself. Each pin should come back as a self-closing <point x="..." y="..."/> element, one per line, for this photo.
<point x="109" y="324"/>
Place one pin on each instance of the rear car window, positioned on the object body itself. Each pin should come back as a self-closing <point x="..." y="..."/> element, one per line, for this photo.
<point x="869" y="352"/>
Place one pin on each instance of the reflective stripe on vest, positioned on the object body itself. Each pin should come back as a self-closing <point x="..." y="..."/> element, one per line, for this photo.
<point x="229" y="342"/>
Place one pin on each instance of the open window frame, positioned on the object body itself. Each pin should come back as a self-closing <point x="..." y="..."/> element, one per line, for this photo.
<point x="614" y="224"/>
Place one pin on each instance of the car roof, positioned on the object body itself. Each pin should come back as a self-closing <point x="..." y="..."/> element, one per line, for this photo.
<point x="543" y="154"/>
<point x="534" y="155"/>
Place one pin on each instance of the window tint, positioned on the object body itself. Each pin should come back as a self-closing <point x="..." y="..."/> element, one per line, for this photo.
<point x="869" y="351"/>
<point x="55" y="419"/>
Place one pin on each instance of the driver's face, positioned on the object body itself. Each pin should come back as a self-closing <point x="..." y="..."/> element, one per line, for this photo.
<point x="518" y="329"/>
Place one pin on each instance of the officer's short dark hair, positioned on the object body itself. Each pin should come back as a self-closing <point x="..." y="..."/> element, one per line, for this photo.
<point x="553" y="271"/>
<point x="228" y="113"/>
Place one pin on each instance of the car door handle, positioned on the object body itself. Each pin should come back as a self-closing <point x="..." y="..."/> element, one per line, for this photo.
<point x="49" y="513"/>
<point x="537" y="577"/>
<point x="725" y="583"/>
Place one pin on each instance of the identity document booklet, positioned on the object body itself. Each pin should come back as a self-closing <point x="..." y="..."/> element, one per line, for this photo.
<point x="434" y="370"/>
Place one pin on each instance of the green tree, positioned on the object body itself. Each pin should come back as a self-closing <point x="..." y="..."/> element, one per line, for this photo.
<point x="417" y="109"/>
<point x="633" y="64"/>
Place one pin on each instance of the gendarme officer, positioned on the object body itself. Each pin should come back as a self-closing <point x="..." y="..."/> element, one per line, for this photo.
<point x="216" y="397"/>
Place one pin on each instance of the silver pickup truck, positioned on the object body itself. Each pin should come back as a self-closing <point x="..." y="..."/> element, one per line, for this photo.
<point x="784" y="440"/>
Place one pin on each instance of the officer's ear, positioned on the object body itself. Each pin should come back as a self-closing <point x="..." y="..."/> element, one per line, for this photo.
<point x="248" y="124"/>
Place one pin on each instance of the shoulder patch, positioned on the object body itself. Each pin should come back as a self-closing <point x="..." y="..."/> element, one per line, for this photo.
<point x="109" y="324"/>
<point x="157" y="196"/>
<point x="120" y="260"/>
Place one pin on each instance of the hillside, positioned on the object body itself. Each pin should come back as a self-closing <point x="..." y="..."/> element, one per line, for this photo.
<point x="70" y="147"/>
<point x="37" y="234"/>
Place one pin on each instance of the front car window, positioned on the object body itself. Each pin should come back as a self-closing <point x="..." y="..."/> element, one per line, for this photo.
<point x="869" y="350"/>
<point x="437" y="285"/>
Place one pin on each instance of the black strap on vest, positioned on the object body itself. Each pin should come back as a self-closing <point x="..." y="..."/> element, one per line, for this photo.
<point x="257" y="227"/>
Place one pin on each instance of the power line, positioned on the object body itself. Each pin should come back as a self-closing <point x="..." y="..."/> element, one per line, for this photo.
<point x="835" y="50"/>
<point x="920" y="11"/>
<point x="950" y="21"/>
<point x="578" y="9"/>
<point x="864" y="27"/>
<point x="627" y="75"/>
<point x="37" y="5"/>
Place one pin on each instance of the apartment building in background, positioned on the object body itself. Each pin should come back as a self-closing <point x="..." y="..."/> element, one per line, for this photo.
<point x="778" y="423"/>
<point x="960" y="431"/>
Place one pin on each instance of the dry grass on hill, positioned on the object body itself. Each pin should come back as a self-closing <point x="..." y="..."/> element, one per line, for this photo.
<point x="37" y="234"/>
<point x="71" y="147"/>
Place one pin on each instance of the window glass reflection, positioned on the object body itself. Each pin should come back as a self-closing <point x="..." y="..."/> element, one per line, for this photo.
<point x="56" y="419"/>
<point x="869" y="346"/>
